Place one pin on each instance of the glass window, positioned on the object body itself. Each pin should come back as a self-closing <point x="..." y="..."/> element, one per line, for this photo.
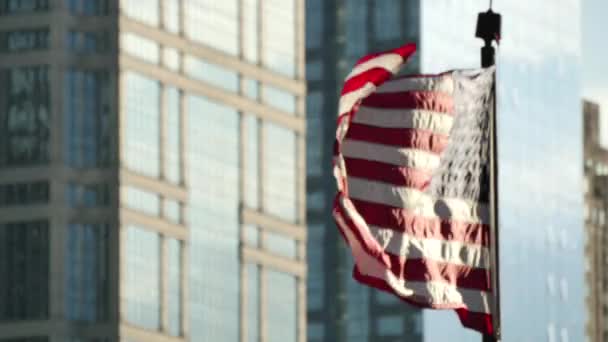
<point x="171" y="18"/>
<point x="24" y="116"/>
<point x="314" y="23"/>
<point x="88" y="7"/>
<point x="280" y="187"/>
<point x="252" y="89"/>
<point x="87" y="118"/>
<point x="253" y="302"/>
<point x="173" y="211"/>
<point x="173" y="125"/>
<point x="280" y="99"/>
<point x="142" y="283"/>
<point x="29" y="339"/>
<point x="87" y="42"/>
<point x="387" y="17"/>
<point x="213" y="23"/>
<point x="24" y="265"/>
<point x="88" y="195"/>
<point x="86" y="272"/>
<point x="252" y="189"/>
<point x="145" y="11"/>
<point x="140" y="47"/>
<point x="24" y="40"/>
<point x="171" y="58"/>
<point x="252" y="235"/>
<point x="211" y="73"/>
<point x="174" y="286"/>
<point x="213" y="206"/>
<point x="281" y="307"/>
<point x="315" y="260"/>
<point x="390" y="325"/>
<point x="357" y="26"/>
<point x="141" y="140"/>
<point x="314" y="70"/>
<point x="250" y="30"/>
<point x="23" y="6"/>
<point x="279" y="244"/>
<point x="385" y="298"/>
<point x="24" y="193"/>
<point x="279" y="36"/>
<point x="315" y="332"/>
<point x="141" y="200"/>
<point x="316" y="201"/>
<point x="314" y="134"/>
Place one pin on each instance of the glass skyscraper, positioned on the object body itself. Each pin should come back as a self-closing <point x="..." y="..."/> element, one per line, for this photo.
<point x="152" y="170"/>
<point x="540" y="155"/>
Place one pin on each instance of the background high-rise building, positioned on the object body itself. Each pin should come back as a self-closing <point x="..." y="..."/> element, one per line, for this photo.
<point x="540" y="150"/>
<point x="338" y="32"/>
<point x="152" y="170"/>
<point x="596" y="225"/>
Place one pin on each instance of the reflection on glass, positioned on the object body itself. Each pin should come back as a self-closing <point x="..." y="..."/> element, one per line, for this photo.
<point x="25" y="116"/>
<point x="24" y="265"/>
<point x="253" y="302"/>
<point x="213" y="143"/>
<point x="173" y="126"/>
<point x="174" y="286"/>
<point x="140" y="47"/>
<point x="280" y="156"/>
<point x="280" y="245"/>
<point x="281" y="306"/>
<point x="280" y="99"/>
<point x="24" y="40"/>
<point x="279" y="36"/>
<point x="141" y="108"/>
<point x="87" y="118"/>
<point x="145" y="11"/>
<point x="142" y="282"/>
<point x="142" y="200"/>
<point x="211" y="73"/>
<point x="213" y="23"/>
<point x="86" y="273"/>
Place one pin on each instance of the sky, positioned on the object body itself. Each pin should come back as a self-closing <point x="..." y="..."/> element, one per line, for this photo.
<point x="595" y="58"/>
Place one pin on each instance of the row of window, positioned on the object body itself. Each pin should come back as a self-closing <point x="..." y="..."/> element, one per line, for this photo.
<point x="213" y="74"/>
<point x="274" y="243"/>
<point x="217" y="24"/>
<point x="153" y="204"/>
<point x="82" y="42"/>
<point x="77" y="7"/>
<point x="24" y="193"/>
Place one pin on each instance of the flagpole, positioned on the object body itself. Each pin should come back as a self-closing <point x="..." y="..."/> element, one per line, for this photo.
<point x="488" y="29"/>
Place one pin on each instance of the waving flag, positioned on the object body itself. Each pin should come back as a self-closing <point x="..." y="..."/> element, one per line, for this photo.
<point x="411" y="160"/>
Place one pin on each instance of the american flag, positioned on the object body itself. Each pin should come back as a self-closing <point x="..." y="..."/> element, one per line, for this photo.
<point x="411" y="161"/>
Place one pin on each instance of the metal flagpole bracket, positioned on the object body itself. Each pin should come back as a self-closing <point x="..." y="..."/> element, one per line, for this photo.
<point x="488" y="29"/>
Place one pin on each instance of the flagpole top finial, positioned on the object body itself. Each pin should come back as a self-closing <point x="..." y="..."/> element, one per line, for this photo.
<point x="488" y="26"/>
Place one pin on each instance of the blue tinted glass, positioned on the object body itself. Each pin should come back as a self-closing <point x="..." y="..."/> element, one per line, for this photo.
<point x="281" y="307"/>
<point x="211" y="73"/>
<point x="280" y="99"/>
<point x="213" y="160"/>
<point x="314" y="23"/>
<point x="280" y="156"/>
<point x="24" y="40"/>
<point x="174" y="286"/>
<point x="141" y="108"/>
<point x="390" y="325"/>
<point x="357" y="26"/>
<point x="213" y="23"/>
<point x="387" y="19"/>
<point x="253" y="302"/>
<point x="87" y="103"/>
<point x="142" y="283"/>
<point x="315" y="148"/>
<point x="315" y="260"/>
<point x="86" y="273"/>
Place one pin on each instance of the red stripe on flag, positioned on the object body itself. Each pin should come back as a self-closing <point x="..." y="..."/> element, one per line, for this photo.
<point x="427" y="100"/>
<point x="404" y="51"/>
<point x="408" y="222"/>
<point x="376" y="76"/>
<point x="476" y="320"/>
<point x="388" y="173"/>
<point x="400" y="137"/>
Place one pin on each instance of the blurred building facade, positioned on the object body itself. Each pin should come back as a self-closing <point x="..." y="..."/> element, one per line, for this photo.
<point x="596" y="204"/>
<point x="338" y="32"/>
<point x="152" y="170"/>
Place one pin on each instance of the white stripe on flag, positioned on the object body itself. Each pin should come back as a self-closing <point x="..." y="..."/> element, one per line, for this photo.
<point x="387" y="62"/>
<point x="416" y="201"/>
<point x="409" y="247"/>
<point x="442" y="83"/>
<point x="348" y="100"/>
<point x="408" y="157"/>
<point x="435" y="122"/>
